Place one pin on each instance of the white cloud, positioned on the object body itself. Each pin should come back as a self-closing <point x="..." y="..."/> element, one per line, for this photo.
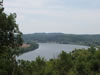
<point x="47" y="15"/>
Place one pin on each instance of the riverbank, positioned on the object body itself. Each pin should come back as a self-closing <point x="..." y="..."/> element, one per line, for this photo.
<point x="28" y="47"/>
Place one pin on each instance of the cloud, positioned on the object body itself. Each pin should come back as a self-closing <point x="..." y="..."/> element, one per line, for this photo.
<point x="52" y="15"/>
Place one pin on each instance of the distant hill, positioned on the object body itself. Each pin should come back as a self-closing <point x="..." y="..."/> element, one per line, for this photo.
<point x="93" y="40"/>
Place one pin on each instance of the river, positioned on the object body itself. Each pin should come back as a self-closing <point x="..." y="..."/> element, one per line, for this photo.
<point x="49" y="50"/>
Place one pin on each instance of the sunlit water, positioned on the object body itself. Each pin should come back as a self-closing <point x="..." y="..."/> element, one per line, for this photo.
<point x="49" y="50"/>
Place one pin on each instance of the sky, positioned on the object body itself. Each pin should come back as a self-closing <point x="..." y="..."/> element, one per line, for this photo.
<point x="66" y="16"/>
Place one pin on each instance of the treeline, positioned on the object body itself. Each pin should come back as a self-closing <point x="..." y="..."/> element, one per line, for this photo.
<point x="88" y="40"/>
<point x="33" y="46"/>
<point x="77" y="62"/>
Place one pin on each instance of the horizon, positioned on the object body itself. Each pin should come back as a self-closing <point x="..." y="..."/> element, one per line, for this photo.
<point x="50" y="16"/>
<point x="57" y="33"/>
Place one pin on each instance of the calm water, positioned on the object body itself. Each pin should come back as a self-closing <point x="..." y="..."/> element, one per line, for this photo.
<point x="49" y="50"/>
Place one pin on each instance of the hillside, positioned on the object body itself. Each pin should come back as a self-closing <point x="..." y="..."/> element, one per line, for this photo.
<point x="93" y="40"/>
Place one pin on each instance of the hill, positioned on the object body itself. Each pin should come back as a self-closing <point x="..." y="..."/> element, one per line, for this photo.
<point x="62" y="38"/>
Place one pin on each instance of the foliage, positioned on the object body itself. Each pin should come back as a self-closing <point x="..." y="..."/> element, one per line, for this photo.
<point x="33" y="46"/>
<point x="79" y="61"/>
<point x="10" y="40"/>
<point x="90" y="40"/>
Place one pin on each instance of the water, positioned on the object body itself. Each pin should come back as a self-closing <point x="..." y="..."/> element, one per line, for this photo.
<point x="49" y="50"/>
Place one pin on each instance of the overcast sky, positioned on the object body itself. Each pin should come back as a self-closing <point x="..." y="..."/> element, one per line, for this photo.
<point x="67" y="16"/>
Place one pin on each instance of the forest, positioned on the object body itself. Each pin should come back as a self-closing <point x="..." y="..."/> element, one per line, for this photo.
<point x="77" y="62"/>
<point x="89" y="40"/>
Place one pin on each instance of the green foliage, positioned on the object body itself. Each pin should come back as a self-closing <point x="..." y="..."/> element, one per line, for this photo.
<point x="64" y="63"/>
<point x="92" y="49"/>
<point x="89" y="40"/>
<point x="10" y="40"/>
<point x="10" y="36"/>
<point x="79" y="61"/>
<point x="33" y="46"/>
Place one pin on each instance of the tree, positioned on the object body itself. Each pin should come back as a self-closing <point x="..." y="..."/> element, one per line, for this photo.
<point x="10" y="40"/>
<point x="92" y="49"/>
<point x="64" y="63"/>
